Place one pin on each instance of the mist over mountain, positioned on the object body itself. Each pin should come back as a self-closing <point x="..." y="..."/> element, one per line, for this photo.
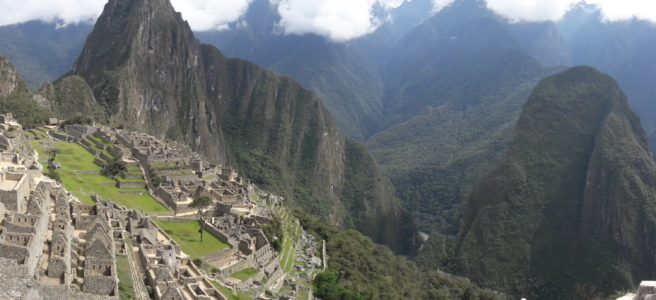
<point x="42" y="52"/>
<point x="338" y="73"/>
<point x="621" y="49"/>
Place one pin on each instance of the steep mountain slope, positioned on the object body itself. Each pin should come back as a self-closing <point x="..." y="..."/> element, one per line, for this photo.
<point x="148" y="72"/>
<point x="339" y="74"/>
<point x="16" y="97"/>
<point x="41" y="51"/>
<point x="360" y="269"/>
<point x="570" y="214"/>
<point x="460" y="80"/>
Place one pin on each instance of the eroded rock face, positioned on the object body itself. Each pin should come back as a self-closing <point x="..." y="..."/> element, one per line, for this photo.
<point x="571" y="211"/>
<point x="148" y="72"/>
<point x="9" y="80"/>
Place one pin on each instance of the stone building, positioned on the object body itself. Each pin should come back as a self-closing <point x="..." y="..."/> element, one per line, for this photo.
<point x="14" y="190"/>
<point x="24" y="233"/>
<point x="250" y="247"/>
<point x="95" y="252"/>
<point x="172" y="275"/>
<point x="79" y="131"/>
<point x="59" y="260"/>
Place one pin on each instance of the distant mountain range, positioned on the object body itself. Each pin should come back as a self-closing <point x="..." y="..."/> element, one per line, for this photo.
<point x="493" y="161"/>
<point x="41" y="51"/>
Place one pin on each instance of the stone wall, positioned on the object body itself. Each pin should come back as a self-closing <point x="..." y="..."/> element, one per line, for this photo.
<point x="16" y="199"/>
<point x="220" y="235"/>
<point x="103" y="285"/>
<point x="131" y="185"/>
<point x="63" y="137"/>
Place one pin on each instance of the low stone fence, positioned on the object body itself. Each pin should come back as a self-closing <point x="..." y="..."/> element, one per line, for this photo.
<point x="87" y="172"/>
<point x="86" y="143"/>
<point x="216" y="232"/>
<point x="131" y="185"/>
<point x="99" y="162"/>
<point x="105" y="156"/>
<point x="63" y="137"/>
<point x="134" y="176"/>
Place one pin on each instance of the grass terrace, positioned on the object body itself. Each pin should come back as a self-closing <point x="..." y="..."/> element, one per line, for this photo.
<point x="125" y="285"/>
<point x="187" y="235"/>
<point x="229" y="294"/>
<point x="245" y="274"/>
<point x="82" y="177"/>
<point x="93" y="140"/>
<point x="291" y="234"/>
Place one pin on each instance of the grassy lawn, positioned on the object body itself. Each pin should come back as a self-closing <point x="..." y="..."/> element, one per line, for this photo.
<point x="245" y="274"/>
<point x="125" y="287"/>
<point x="74" y="159"/>
<point x="187" y="236"/>
<point x="229" y="293"/>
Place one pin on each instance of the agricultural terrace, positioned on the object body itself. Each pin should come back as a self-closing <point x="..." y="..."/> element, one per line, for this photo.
<point x="81" y="176"/>
<point x="186" y="234"/>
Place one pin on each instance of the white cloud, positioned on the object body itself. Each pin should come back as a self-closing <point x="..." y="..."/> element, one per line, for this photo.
<point x="338" y="20"/>
<point x="625" y="9"/>
<point x="441" y="4"/>
<point x="531" y="10"/>
<point x="201" y="14"/>
<point x="205" y="15"/>
<point x="60" y="11"/>
<point x="553" y="10"/>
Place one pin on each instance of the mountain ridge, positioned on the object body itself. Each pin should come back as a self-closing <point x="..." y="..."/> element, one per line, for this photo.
<point x="566" y="215"/>
<point x="148" y="72"/>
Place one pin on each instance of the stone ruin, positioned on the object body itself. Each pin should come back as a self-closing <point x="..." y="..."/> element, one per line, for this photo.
<point x="50" y="246"/>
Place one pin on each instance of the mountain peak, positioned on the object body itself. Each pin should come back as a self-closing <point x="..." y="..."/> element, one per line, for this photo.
<point x="567" y="199"/>
<point x="148" y="72"/>
<point x="134" y="27"/>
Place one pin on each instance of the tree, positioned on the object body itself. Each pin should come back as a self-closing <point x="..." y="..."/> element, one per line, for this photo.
<point x="52" y="173"/>
<point x="201" y="203"/>
<point x="114" y="168"/>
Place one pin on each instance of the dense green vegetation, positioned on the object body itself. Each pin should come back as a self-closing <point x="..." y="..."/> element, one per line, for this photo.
<point x="291" y="232"/>
<point x="339" y="74"/>
<point x="569" y="213"/>
<point x="187" y="235"/>
<point x="16" y="98"/>
<point x="115" y="168"/>
<point x="327" y="287"/>
<point x="274" y="233"/>
<point x="42" y="51"/>
<point x="364" y="270"/>
<point x="80" y="106"/>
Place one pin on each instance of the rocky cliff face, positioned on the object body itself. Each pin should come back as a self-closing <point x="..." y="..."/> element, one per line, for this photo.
<point x="16" y="97"/>
<point x="10" y="82"/>
<point x="79" y="98"/>
<point x="571" y="212"/>
<point x="148" y="72"/>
